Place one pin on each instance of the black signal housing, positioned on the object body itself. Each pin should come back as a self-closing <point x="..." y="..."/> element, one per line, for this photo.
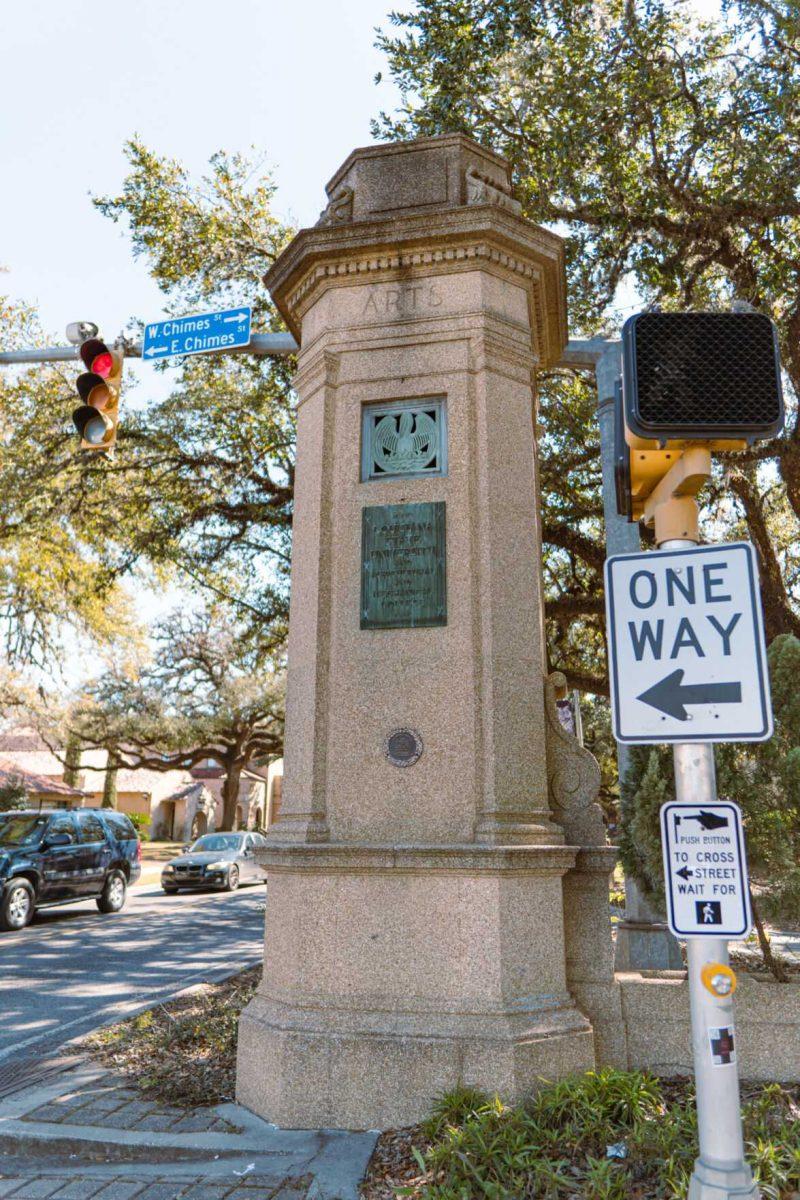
<point x="710" y="377"/>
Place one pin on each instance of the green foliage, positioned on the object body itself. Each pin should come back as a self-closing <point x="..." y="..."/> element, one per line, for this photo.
<point x="664" y="147"/>
<point x="49" y="581"/>
<point x="763" y="778"/>
<point x="211" y="691"/>
<point x="648" y="784"/>
<point x="555" y="1146"/>
<point x="13" y="794"/>
<point x="765" y="781"/>
<point x="140" y="822"/>
<point x="200" y="487"/>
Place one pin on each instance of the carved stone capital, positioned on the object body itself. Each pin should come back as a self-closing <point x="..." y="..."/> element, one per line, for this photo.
<point x="339" y="208"/>
<point x="481" y="189"/>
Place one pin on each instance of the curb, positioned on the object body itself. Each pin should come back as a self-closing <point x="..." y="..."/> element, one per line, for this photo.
<point x="336" y="1159"/>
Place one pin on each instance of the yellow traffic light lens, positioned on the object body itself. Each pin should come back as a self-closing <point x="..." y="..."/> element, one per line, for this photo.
<point x="719" y="979"/>
<point x="99" y="397"/>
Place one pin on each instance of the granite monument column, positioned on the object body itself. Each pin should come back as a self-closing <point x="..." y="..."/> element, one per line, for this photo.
<point x="415" y="917"/>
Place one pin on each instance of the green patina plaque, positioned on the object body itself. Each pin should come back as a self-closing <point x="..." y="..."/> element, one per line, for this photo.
<point x="403" y="566"/>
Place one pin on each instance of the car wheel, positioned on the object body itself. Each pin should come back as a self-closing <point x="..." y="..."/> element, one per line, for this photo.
<point x="114" y="893"/>
<point x="17" y="905"/>
<point x="233" y="880"/>
<point x="169" y="891"/>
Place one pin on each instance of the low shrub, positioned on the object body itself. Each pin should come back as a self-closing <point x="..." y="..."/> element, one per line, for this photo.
<point x="606" y="1135"/>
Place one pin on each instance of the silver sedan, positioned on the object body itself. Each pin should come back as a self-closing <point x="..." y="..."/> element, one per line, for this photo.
<point x="215" y="860"/>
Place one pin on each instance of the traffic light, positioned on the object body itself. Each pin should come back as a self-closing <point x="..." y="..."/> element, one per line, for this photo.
<point x="99" y="387"/>
<point x="709" y="380"/>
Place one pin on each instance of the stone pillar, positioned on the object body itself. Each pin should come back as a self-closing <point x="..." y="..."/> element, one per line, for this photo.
<point x="415" y="919"/>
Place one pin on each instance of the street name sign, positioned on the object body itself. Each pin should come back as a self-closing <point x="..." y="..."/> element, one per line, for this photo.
<point x="687" y="658"/>
<point x="201" y="334"/>
<point x="705" y="870"/>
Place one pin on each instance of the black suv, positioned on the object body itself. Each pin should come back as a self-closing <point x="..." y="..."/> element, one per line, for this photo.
<point x="51" y="858"/>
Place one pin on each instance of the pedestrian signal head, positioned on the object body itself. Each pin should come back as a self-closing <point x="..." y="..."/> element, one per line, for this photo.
<point x="709" y="380"/>
<point x="713" y="377"/>
<point x="99" y="388"/>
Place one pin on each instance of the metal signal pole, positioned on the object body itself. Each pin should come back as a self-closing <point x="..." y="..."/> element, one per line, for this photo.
<point x="720" y="1172"/>
<point x="261" y="345"/>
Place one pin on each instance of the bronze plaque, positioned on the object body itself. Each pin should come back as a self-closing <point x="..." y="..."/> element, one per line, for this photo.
<point x="403" y="566"/>
<point x="403" y="747"/>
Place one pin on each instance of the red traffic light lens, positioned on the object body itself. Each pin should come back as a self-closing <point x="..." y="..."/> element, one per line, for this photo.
<point x="103" y="364"/>
<point x="97" y="357"/>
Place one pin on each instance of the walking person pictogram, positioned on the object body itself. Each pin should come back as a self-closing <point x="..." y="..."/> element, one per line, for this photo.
<point x="708" y="912"/>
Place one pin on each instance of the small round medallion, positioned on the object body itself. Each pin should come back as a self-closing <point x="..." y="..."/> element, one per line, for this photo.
<point x="403" y="747"/>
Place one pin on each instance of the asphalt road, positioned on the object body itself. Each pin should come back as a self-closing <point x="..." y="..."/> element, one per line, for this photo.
<point x="74" y="969"/>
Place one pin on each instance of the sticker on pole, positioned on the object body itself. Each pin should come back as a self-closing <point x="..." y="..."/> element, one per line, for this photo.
<point x="705" y="870"/>
<point x="687" y="658"/>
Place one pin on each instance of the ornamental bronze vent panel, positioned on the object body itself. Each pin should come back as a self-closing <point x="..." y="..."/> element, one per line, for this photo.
<point x="403" y="440"/>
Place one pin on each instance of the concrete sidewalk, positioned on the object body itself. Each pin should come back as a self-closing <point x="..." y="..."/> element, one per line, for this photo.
<point x="88" y="1134"/>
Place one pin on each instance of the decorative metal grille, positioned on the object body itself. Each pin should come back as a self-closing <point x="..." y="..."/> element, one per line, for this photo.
<point x="403" y="439"/>
<point x="703" y="373"/>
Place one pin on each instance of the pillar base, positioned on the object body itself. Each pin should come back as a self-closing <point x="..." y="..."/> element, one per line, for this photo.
<point x="646" y="946"/>
<point x="394" y="973"/>
<point x="714" y="1183"/>
<point x="309" y="1079"/>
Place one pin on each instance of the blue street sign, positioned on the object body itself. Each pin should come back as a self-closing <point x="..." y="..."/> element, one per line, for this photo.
<point x="197" y="335"/>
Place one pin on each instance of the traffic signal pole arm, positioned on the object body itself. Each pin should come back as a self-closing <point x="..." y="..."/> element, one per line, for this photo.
<point x="262" y="345"/>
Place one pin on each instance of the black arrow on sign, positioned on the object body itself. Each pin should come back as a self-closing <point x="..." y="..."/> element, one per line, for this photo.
<point x="671" y="694"/>
<point x="708" y="820"/>
<point x="684" y="872"/>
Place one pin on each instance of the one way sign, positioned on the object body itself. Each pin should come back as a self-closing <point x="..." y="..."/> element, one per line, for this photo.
<point x="687" y="660"/>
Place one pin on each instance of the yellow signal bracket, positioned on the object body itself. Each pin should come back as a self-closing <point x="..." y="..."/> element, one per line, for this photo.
<point x="671" y="507"/>
<point x="647" y="467"/>
<point x="677" y="445"/>
<point x="718" y="979"/>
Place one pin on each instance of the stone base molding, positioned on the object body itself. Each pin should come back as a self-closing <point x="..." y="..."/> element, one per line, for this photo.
<point x="396" y="972"/>
<point x="355" y="1081"/>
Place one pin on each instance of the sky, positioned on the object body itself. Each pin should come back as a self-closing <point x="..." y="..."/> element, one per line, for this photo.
<point x="294" y="80"/>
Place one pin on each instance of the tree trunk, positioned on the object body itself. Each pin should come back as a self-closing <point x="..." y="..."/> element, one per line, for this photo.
<point x="110" y="783"/>
<point x="230" y="797"/>
<point x="774" y="965"/>
<point x="72" y="761"/>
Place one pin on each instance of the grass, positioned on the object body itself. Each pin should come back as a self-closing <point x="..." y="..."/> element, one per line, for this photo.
<point x="182" y="1052"/>
<point x="556" y="1147"/>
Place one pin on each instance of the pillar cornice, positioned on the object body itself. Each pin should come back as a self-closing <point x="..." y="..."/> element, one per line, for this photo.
<point x="461" y="238"/>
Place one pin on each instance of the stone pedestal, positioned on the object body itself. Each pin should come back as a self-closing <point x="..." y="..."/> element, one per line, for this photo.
<point x="415" y="931"/>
